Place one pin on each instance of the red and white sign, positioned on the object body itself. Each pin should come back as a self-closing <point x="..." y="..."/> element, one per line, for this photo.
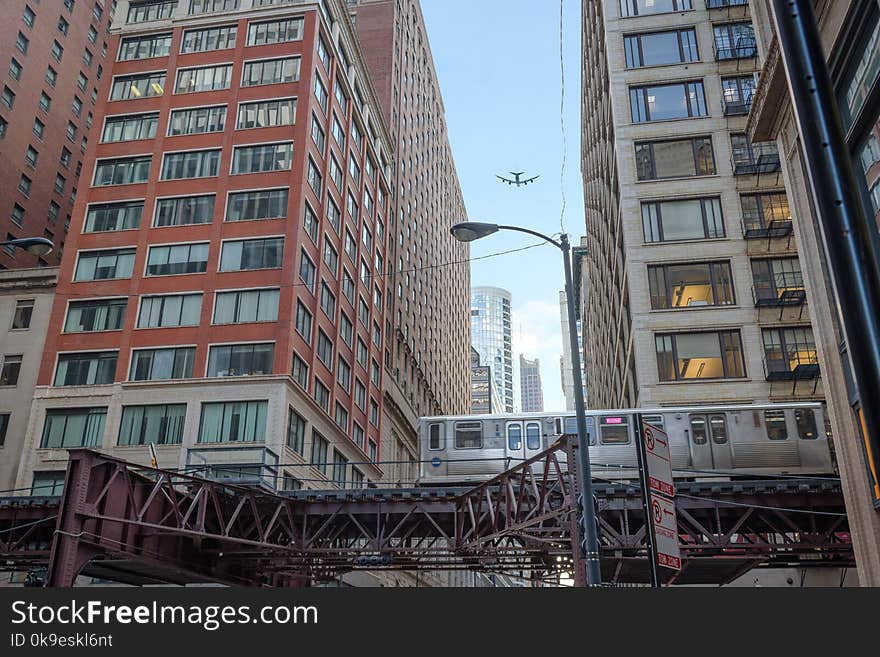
<point x="665" y="532"/>
<point x="659" y="461"/>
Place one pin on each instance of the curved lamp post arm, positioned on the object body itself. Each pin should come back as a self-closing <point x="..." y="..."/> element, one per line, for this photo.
<point x="558" y="245"/>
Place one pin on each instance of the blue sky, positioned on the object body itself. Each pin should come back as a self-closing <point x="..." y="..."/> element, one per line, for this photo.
<point x="499" y="71"/>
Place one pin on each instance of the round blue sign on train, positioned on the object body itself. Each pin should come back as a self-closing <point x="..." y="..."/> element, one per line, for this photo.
<point x="435" y="461"/>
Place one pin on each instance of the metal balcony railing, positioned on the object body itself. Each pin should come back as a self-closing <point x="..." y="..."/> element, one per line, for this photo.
<point x="742" y="49"/>
<point x="755" y="226"/>
<point x="241" y="464"/>
<point x="737" y="106"/>
<point x="785" y="290"/>
<point x="760" y="157"/>
<point x="796" y="365"/>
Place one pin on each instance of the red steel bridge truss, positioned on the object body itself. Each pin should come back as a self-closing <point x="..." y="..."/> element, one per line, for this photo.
<point x="140" y="525"/>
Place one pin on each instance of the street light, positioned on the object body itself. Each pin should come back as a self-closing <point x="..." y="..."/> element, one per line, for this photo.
<point x="470" y="231"/>
<point x="38" y="246"/>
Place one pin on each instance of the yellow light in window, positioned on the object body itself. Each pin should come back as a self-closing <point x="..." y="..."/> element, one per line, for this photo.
<point x="157" y="88"/>
<point x="135" y="91"/>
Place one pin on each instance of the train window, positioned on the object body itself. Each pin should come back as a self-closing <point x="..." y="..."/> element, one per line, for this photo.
<point x="514" y="437"/>
<point x="533" y="435"/>
<point x="775" y="423"/>
<point x="698" y="430"/>
<point x="805" y="419"/>
<point x="654" y="420"/>
<point x="436" y="437"/>
<point x="468" y="435"/>
<point x="613" y="431"/>
<point x="718" y="426"/>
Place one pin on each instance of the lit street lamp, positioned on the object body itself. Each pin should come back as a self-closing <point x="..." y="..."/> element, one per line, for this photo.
<point x="470" y="231"/>
<point x="38" y="246"/>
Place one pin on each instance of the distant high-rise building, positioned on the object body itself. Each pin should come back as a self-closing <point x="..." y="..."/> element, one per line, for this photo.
<point x="530" y="385"/>
<point x="484" y="395"/>
<point x="566" y="364"/>
<point x="491" y="337"/>
<point x="56" y="55"/>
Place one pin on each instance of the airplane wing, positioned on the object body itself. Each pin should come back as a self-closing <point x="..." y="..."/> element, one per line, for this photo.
<point x="526" y="182"/>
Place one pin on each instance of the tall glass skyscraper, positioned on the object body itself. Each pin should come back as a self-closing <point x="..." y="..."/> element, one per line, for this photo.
<point x="491" y="337"/>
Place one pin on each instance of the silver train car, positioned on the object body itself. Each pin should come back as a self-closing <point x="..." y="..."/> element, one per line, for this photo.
<point x="705" y="442"/>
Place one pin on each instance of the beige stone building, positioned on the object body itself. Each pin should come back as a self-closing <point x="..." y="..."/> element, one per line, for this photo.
<point x="694" y="292"/>
<point x="850" y="31"/>
<point x="25" y="303"/>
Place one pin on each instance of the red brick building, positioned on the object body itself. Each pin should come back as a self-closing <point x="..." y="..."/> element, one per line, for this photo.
<point x="54" y="58"/>
<point x="222" y="293"/>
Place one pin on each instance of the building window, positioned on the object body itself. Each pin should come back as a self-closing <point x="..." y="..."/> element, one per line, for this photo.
<point x="322" y="396"/>
<point x="176" y="259"/>
<point x="22" y="43"/>
<point x="662" y="102"/>
<point x="267" y="114"/>
<point x="241" y="359"/>
<point x="790" y="353"/>
<point x="159" y="424"/>
<point x="765" y="211"/>
<point x="303" y="322"/>
<point x="334" y="214"/>
<point x="328" y="301"/>
<point x="317" y="133"/>
<point x="85" y="368"/>
<point x="690" y="285"/>
<point x="31" y="156"/>
<point x="243" y="421"/>
<point x="642" y="7"/>
<point x="140" y="85"/>
<point x="95" y="315"/>
<point x="321" y="94"/>
<point x="778" y="281"/>
<point x="48" y="484"/>
<point x="4" y="427"/>
<point x="191" y="164"/>
<point x="184" y="210"/>
<point x="325" y="350"/>
<point x="15" y="69"/>
<point x="340" y="95"/>
<point x="319" y="452"/>
<point x="314" y="178"/>
<point x="735" y="41"/>
<point x="130" y="128"/>
<point x="679" y="158"/>
<point x="206" y="78"/>
<point x="39" y="128"/>
<point x="737" y="93"/>
<point x="162" y="364"/>
<point x="307" y="271"/>
<point x="340" y="469"/>
<point x="73" y="427"/>
<point x="24" y="185"/>
<point x="17" y="216"/>
<point x="348" y="286"/>
<point x="263" y="204"/>
<point x="360" y="395"/>
<point x="277" y="31"/>
<point x="710" y="355"/>
<point x="357" y="435"/>
<point x="150" y="10"/>
<point x="270" y="71"/>
<point x="122" y="171"/>
<point x="346" y="329"/>
<point x="9" y="370"/>
<point x="197" y="120"/>
<point x="323" y="54"/>
<point x="104" y="264"/>
<point x="240" y="255"/>
<point x="242" y="306"/>
<point x="29" y="17"/>
<point x="331" y="257"/>
<point x="341" y="417"/>
<point x="335" y="173"/>
<point x="343" y="374"/>
<point x="145" y="47"/>
<point x="170" y="310"/>
<point x="45" y="101"/>
<point x="299" y="371"/>
<point x="210" y="38"/>
<point x="24" y="311"/>
<point x="296" y="430"/>
<point x="262" y="158"/>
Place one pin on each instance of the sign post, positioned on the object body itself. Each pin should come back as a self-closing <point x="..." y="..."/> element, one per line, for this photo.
<point x="658" y="491"/>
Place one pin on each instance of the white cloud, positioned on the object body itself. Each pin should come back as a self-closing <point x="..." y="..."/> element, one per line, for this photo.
<point x="537" y="332"/>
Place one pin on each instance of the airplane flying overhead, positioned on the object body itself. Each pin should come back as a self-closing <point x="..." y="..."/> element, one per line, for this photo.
<point x="517" y="181"/>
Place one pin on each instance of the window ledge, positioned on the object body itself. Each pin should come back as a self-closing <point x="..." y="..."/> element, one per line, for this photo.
<point x="678" y="119"/>
<point x="656" y="311"/>
<point x="693" y="241"/>
<point x="692" y="381"/>
<point x="665" y="180"/>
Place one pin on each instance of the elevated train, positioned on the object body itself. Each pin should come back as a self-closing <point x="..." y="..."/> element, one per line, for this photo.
<point x="705" y="441"/>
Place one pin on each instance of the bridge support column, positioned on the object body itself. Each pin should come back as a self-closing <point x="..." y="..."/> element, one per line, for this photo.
<point x="69" y="553"/>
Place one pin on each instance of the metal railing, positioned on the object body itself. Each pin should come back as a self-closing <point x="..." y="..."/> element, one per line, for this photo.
<point x="723" y="4"/>
<point x="742" y="49"/>
<point x="795" y="365"/>
<point x="760" y="157"/>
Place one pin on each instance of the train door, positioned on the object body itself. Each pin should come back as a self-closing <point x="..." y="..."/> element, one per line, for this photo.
<point x="710" y="441"/>
<point x="523" y="439"/>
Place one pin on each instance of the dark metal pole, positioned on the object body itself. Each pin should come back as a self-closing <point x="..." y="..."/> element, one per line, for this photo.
<point x="850" y="238"/>
<point x="591" y="528"/>
<point x="650" y="534"/>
